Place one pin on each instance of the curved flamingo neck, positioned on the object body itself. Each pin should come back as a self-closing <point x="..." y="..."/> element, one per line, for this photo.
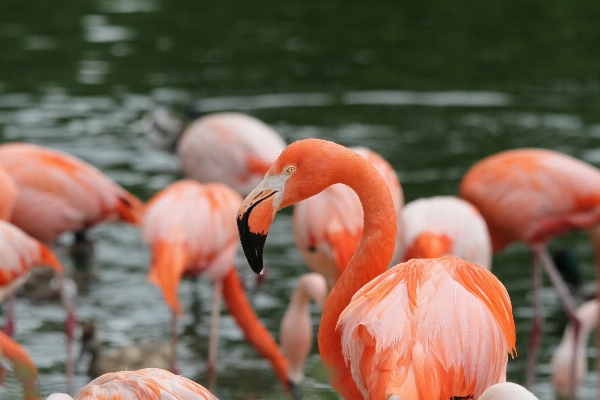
<point x="372" y="257"/>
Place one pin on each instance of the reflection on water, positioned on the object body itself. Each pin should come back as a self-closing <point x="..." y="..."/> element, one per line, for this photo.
<point x="430" y="86"/>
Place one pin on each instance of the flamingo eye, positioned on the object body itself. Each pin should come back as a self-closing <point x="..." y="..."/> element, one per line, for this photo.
<point x="290" y="170"/>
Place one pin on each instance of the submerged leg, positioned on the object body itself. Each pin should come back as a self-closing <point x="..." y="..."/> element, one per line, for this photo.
<point x="70" y="324"/>
<point x="214" y="335"/>
<point x="9" y="327"/>
<point x="537" y="326"/>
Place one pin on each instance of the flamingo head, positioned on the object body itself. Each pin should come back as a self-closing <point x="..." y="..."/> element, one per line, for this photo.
<point x="303" y="169"/>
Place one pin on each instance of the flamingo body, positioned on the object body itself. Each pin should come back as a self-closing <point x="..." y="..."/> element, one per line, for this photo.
<point x="507" y="391"/>
<point x="232" y="148"/>
<point x="533" y="195"/>
<point x="8" y="195"/>
<point x="445" y="225"/>
<point x="144" y="384"/>
<point x="304" y="169"/>
<point x="328" y="226"/>
<point x="59" y="192"/>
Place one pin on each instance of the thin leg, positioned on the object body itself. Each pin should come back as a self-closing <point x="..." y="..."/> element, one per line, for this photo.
<point x="568" y="303"/>
<point x="537" y="326"/>
<point x="70" y="324"/>
<point x="9" y="328"/>
<point x="214" y="336"/>
<point x="174" y="337"/>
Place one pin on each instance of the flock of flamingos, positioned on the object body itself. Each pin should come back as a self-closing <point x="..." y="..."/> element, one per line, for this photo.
<point x="438" y="325"/>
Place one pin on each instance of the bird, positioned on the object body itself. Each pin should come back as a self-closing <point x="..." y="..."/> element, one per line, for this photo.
<point x="20" y="253"/>
<point x="228" y="147"/>
<point x="133" y="356"/>
<point x="58" y="192"/>
<point x="296" y="330"/>
<point x="144" y="384"/>
<point x="22" y="365"/>
<point x="9" y="191"/>
<point x="563" y="353"/>
<point x="507" y="391"/>
<point x="532" y="195"/>
<point x="444" y="225"/>
<point x="190" y="228"/>
<point x="381" y="357"/>
<point x="328" y="226"/>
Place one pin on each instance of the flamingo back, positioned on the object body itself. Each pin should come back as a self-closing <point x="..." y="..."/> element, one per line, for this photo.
<point x="191" y="228"/>
<point x="232" y="148"/>
<point x="429" y="329"/>
<point x="147" y="384"/>
<point x="20" y="252"/>
<point x="450" y="218"/>
<point x="8" y="195"/>
<point x="533" y="194"/>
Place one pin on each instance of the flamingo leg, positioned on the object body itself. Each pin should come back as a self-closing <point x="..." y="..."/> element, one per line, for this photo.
<point x="9" y="328"/>
<point x="214" y="336"/>
<point x="568" y="303"/>
<point x="174" y="367"/>
<point x="70" y="324"/>
<point x="537" y="326"/>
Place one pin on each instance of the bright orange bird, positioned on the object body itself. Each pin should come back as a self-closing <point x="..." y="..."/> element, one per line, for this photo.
<point x="388" y="334"/>
<point x="22" y="365"/>
<point x="8" y="195"/>
<point x="228" y="147"/>
<point x="328" y="226"/>
<point x="191" y="229"/>
<point x="19" y="253"/>
<point x="532" y="195"/>
<point x="143" y="384"/>
<point x="60" y="193"/>
<point x="444" y="225"/>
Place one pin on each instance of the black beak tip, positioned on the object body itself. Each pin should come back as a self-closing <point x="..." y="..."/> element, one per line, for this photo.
<point x="252" y="243"/>
<point x="295" y="391"/>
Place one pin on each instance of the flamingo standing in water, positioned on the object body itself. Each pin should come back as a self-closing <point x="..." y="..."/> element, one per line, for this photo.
<point x="232" y="148"/>
<point x="444" y="225"/>
<point x="428" y="328"/>
<point x="191" y="229"/>
<point x="19" y="253"/>
<point x="58" y="192"/>
<point x="533" y="195"/>
<point x="22" y="365"/>
<point x="143" y="384"/>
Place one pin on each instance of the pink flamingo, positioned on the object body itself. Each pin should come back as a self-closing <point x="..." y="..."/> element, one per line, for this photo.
<point x="507" y="391"/>
<point x="20" y="252"/>
<point x="191" y="229"/>
<point x="425" y="329"/>
<point x="9" y="195"/>
<point x="445" y="225"/>
<point x="232" y="148"/>
<point x="59" y="192"/>
<point x="144" y="384"/>
<point x="533" y="195"/>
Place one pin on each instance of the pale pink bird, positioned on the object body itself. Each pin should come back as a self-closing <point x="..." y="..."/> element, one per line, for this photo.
<point x="562" y="358"/>
<point x="8" y="195"/>
<point x="232" y="148"/>
<point x="444" y="225"/>
<point x="19" y="253"/>
<point x="507" y="391"/>
<point x="533" y="195"/>
<point x="328" y="226"/>
<point x="191" y="230"/>
<point x="143" y="384"/>
<point x="425" y="329"/>
<point x="59" y="192"/>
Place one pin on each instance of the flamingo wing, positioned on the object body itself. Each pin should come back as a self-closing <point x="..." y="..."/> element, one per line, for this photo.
<point x="429" y="329"/>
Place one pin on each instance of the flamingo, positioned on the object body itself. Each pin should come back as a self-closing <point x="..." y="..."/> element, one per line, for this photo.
<point x="507" y="391"/>
<point x="59" y="192"/>
<point x="232" y="148"/>
<point x="563" y="354"/>
<point x="8" y="197"/>
<point x="533" y="195"/>
<point x="444" y="225"/>
<point x="20" y="252"/>
<point x="144" y="384"/>
<point x="191" y="229"/>
<point x="427" y="328"/>
<point x="22" y="365"/>
<point x="328" y="226"/>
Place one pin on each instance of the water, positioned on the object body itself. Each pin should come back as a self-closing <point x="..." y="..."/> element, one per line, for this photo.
<point x="432" y="87"/>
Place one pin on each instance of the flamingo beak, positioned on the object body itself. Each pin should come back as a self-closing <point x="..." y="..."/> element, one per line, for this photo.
<point x="254" y="219"/>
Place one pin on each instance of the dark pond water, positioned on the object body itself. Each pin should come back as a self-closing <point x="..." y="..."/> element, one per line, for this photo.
<point x="433" y="86"/>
